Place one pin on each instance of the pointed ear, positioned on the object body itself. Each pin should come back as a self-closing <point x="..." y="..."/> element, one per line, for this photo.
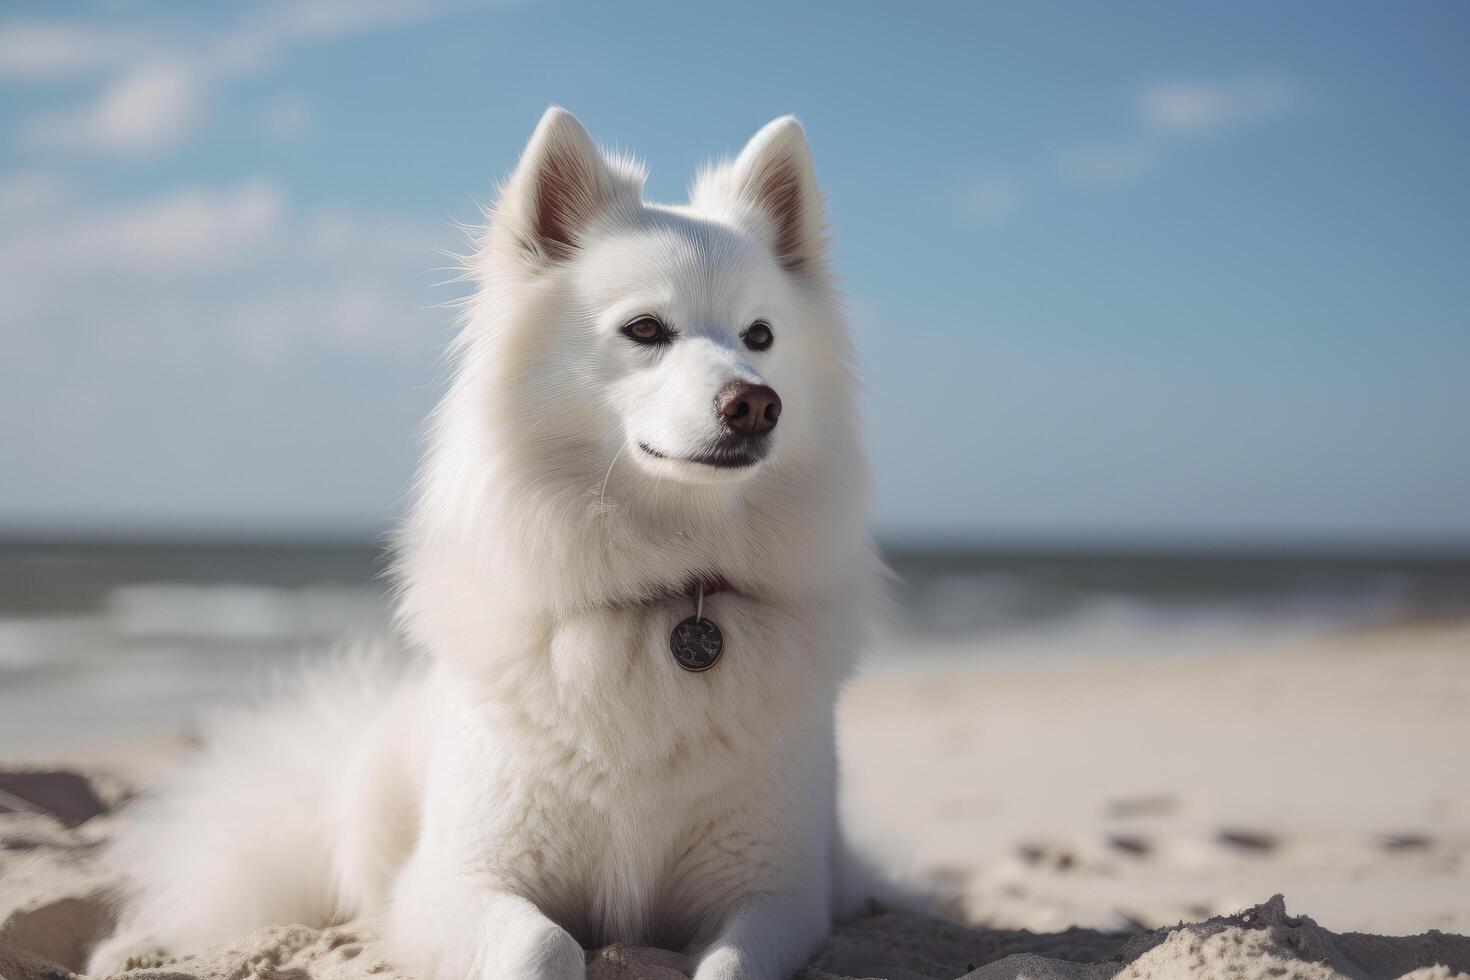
<point x="774" y="173"/>
<point x="560" y="186"/>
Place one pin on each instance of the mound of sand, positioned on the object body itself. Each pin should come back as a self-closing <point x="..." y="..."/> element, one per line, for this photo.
<point x="54" y="905"/>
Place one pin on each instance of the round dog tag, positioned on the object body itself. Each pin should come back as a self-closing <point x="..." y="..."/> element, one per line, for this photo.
<point x="696" y="644"/>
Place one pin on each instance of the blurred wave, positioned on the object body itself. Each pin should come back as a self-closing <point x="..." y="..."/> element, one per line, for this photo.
<point x="991" y="604"/>
<point x="119" y="638"/>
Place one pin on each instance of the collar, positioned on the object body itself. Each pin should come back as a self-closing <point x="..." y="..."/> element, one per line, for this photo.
<point x="688" y="591"/>
<point x="713" y="585"/>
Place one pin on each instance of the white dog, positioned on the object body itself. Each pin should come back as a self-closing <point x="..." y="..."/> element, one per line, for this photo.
<point x="637" y="561"/>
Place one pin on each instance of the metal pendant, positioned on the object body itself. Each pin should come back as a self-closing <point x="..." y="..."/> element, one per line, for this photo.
<point x="696" y="642"/>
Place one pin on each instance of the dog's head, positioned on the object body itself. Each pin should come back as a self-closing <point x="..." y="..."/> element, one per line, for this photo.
<point x="644" y="395"/>
<point x="690" y="341"/>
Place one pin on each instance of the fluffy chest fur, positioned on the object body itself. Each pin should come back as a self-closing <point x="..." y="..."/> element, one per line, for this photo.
<point x="628" y="798"/>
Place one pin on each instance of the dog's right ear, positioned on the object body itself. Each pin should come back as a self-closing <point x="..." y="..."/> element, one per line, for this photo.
<point x="561" y="185"/>
<point x="773" y="177"/>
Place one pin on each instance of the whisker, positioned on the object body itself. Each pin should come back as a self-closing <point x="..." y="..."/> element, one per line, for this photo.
<point x="602" y="494"/>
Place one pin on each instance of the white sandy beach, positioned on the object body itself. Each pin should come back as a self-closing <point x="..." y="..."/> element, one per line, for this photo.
<point x="1118" y="793"/>
<point x="1334" y="768"/>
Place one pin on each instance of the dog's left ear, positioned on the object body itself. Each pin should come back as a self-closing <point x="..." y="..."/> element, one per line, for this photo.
<point x="562" y="184"/>
<point x="774" y="173"/>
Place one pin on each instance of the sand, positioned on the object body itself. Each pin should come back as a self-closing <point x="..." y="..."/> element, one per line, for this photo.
<point x="1099" y="802"/>
<point x="1145" y="791"/>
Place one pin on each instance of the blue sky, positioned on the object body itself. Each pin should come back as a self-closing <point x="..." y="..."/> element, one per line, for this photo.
<point x="1138" y="273"/>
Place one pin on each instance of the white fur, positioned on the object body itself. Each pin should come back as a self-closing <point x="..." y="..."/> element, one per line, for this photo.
<point x="551" y="779"/>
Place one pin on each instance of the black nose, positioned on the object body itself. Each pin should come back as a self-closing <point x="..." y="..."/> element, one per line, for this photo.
<point x="748" y="408"/>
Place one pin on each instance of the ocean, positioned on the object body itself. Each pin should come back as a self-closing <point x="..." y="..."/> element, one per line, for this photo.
<point x="115" y="639"/>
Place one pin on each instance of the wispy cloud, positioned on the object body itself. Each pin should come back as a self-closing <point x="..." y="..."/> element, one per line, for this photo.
<point x="142" y="111"/>
<point x="1183" y="107"/>
<point x="90" y="250"/>
<point x="194" y="317"/>
<point x="36" y="50"/>
<point x="992" y="199"/>
<point x="1171" y="111"/>
<point x="1108" y="162"/>
<point x="287" y="119"/>
<point x="257" y="42"/>
<point x="158" y="80"/>
<point x="184" y="271"/>
<point x="186" y="229"/>
<point x="355" y="314"/>
<point x="31" y="191"/>
<point x="1166" y="114"/>
<point x="211" y="273"/>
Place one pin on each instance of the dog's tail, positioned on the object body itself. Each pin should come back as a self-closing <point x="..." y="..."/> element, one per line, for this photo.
<point x="257" y="827"/>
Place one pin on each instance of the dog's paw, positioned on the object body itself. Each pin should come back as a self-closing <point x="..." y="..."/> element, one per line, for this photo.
<point x="543" y="952"/>
<point x="557" y="956"/>
<point x="724" y="963"/>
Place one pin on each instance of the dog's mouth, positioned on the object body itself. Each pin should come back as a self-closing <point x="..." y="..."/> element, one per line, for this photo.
<point x="727" y="453"/>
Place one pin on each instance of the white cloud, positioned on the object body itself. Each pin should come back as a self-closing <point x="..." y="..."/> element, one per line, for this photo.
<point x="145" y="110"/>
<point x="288" y="119"/>
<point x="356" y="314"/>
<point x="1108" y="162"/>
<point x="189" y="229"/>
<point x="31" y="191"/>
<point x="37" y="50"/>
<point x="182" y="231"/>
<point x="165" y="342"/>
<point x="54" y="261"/>
<point x="257" y="42"/>
<point x="227" y="269"/>
<point x="1191" y="108"/>
<point x="992" y="199"/>
<point x="162" y="78"/>
<point x="1169" y="112"/>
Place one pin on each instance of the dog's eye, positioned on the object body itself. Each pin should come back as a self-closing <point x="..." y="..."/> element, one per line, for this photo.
<point x="647" y="330"/>
<point x="758" y="335"/>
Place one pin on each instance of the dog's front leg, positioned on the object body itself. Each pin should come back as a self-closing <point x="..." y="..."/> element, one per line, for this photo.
<point x="517" y="942"/>
<point x="470" y="930"/>
<point x="765" y="937"/>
